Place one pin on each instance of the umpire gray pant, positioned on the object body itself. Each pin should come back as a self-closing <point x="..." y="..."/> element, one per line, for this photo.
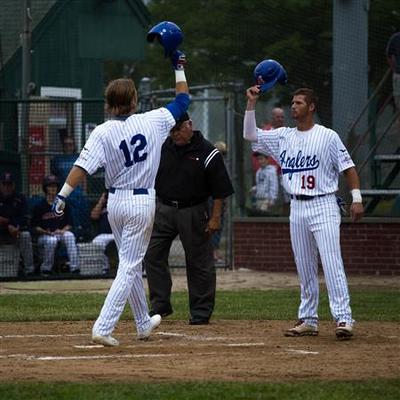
<point x="190" y="224"/>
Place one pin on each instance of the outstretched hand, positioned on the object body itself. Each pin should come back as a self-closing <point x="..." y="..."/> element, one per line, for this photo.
<point x="178" y="59"/>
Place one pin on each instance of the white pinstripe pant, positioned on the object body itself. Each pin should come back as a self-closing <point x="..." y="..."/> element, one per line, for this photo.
<point x="48" y="244"/>
<point x="315" y="226"/>
<point x="131" y="219"/>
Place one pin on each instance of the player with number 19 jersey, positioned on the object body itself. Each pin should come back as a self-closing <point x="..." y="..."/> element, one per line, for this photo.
<point x="311" y="161"/>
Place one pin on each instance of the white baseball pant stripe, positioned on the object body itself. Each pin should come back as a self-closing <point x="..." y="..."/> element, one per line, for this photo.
<point x="315" y="226"/>
<point x="131" y="219"/>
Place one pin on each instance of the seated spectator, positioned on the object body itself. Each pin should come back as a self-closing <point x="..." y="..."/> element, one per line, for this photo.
<point x="104" y="234"/>
<point x="60" y="166"/>
<point x="14" y="220"/>
<point x="267" y="184"/>
<point x="51" y="229"/>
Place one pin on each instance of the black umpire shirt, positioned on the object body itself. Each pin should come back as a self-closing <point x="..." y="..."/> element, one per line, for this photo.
<point x="192" y="172"/>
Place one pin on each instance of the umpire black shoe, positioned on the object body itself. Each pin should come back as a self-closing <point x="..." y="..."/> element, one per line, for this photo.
<point x="163" y="312"/>
<point x="199" y="321"/>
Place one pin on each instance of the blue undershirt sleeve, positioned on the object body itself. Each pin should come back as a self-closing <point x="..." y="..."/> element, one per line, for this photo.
<point x="179" y="106"/>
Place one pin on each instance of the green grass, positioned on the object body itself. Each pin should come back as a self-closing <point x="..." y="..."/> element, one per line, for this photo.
<point x="367" y="305"/>
<point x="372" y="390"/>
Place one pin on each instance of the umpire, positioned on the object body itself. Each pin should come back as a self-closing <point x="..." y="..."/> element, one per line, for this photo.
<point x="191" y="170"/>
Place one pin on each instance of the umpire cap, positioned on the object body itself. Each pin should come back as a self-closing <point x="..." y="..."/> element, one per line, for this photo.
<point x="183" y="118"/>
<point x="168" y="34"/>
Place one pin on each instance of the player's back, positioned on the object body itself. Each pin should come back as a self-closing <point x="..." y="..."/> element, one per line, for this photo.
<point x="131" y="148"/>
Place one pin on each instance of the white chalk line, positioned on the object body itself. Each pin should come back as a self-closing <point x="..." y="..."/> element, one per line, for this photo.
<point x="243" y="344"/>
<point x="173" y="334"/>
<point x="26" y="357"/>
<point x="41" y="336"/>
<point x="302" y="351"/>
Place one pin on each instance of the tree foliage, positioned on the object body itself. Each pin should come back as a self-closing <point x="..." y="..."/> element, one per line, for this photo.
<point x="225" y="39"/>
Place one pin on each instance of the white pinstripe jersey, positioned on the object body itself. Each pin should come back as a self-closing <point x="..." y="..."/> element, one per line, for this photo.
<point x="129" y="150"/>
<point x="310" y="160"/>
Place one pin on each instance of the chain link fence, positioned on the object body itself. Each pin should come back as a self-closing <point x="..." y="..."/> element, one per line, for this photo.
<point x="40" y="140"/>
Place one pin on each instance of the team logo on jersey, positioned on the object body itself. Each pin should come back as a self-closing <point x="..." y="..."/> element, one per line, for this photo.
<point x="299" y="163"/>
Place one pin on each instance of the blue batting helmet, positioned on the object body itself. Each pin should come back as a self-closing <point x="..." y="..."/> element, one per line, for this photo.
<point x="168" y="34"/>
<point x="267" y="73"/>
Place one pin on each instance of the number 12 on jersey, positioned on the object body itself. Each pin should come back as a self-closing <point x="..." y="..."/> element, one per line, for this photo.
<point x="308" y="182"/>
<point x="138" y="143"/>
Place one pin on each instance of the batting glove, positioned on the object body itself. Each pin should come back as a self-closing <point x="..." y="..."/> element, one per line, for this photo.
<point x="58" y="205"/>
<point x="178" y="60"/>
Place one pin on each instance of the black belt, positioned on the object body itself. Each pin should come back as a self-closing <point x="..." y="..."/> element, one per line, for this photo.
<point x="305" y="197"/>
<point x="181" y="203"/>
<point x="135" y="191"/>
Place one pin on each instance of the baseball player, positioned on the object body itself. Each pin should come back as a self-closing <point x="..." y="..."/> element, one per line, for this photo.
<point x="128" y="147"/>
<point x="311" y="157"/>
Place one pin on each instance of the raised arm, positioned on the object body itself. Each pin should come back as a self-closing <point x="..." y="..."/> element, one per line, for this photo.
<point x="181" y="103"/>
<point x="249" y="122"/>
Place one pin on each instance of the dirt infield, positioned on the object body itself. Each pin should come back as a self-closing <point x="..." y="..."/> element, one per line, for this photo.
<point x="247" y="351"/>
<point x="222" y="351"/>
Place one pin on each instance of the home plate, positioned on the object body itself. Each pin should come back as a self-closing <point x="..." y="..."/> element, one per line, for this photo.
<point x="90" y="346"/>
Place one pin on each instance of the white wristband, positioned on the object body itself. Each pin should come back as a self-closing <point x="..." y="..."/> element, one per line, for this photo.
<point x="356" y="193"/>
<point x="180" y="75"/>
<point x="66" y="190"/>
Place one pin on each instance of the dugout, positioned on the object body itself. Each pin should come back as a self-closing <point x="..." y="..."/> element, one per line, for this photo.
<point x="73" y="43"/>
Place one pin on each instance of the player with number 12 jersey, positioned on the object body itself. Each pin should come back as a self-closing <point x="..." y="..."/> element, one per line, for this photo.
<point x="130" y="149"/>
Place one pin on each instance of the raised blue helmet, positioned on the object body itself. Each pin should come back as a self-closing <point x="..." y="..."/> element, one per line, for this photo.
<point x="267" y="73"/>
<point x="168" y="34"/>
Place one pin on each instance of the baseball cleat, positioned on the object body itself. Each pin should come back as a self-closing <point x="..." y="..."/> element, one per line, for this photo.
<point x="302" y="329"/>
<point x="105" y="340"/>
<point x="343" y="331"/>
<point x="155" y="320"/>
